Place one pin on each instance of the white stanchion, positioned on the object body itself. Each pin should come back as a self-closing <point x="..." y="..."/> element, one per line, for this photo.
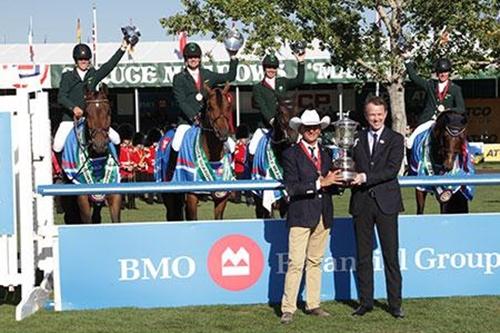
<point x="31" y="240"/>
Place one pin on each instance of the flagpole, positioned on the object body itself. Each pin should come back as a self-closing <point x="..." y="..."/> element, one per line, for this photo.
<point x="78" y="31"/>
<point x="94" y="35"/>
<point x="30" y="41"/>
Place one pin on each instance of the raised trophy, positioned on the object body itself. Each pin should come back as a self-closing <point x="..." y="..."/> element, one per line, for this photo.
<point x="131" y="34"/>
<point x="233" y="40"/>
<point x="344" y="138"/>
<point x="298" y="47"/>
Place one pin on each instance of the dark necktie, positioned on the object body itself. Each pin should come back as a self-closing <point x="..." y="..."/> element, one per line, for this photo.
<point x="374" y="143"/>
<point x="313" y="157"/>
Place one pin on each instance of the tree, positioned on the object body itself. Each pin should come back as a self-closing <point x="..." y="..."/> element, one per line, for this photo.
<point x="373" y="50"/>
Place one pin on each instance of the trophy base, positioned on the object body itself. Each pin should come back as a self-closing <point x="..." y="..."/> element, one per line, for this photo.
<point x="348" y="176"/>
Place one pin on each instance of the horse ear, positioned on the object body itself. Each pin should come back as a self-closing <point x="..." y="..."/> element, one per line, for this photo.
<point x="104" y="89"/>
<point x="227" y="86"/>
<point x="207" y="87"/>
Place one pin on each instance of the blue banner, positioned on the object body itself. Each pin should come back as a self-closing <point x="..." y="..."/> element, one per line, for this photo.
<point x="6" y="176"/>
<point x="238" y="262"/>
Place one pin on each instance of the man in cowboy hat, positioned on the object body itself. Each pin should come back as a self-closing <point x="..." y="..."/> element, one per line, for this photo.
<point x="309" y="183"/>
<point x="376" y="201"/>
<point x="188" y="87"/>
<point x="440" y="95"/>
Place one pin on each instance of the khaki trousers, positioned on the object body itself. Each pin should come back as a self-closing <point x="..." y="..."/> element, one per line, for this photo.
<point x="305" y="245"/>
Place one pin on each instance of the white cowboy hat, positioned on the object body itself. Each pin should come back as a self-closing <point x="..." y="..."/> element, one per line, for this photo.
<point x="309" y="118"/>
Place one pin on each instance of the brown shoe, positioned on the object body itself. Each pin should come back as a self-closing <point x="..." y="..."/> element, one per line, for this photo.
<point x="286" y="318"/>
<point x="318" y="312"/>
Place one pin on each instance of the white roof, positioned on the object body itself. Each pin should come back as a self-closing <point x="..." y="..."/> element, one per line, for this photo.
<point x="145" y="52"/>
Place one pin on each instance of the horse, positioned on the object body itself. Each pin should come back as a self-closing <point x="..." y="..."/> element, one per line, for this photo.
<point x="203" y="156"/>
<point x="266" y="162"/>
<point x="443" y="149"/>
<point x="89" y="156"/>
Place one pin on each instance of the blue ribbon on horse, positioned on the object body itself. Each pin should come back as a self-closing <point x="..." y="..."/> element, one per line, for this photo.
<point x="422" y="165"/>
<point x="80" y="168"/>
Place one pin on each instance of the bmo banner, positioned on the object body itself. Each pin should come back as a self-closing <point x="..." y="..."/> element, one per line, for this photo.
<point x="237" y="262"/>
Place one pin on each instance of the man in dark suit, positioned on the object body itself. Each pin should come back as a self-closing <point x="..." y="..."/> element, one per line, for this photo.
<point x="308" y="180"/>
<point x="188" y="87"/>
<point x="376" y="201"/>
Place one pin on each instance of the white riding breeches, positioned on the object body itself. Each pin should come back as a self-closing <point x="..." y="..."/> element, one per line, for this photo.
<point x="66" y="126"/>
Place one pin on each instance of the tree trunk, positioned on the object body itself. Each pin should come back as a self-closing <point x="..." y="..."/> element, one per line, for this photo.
<point x="397" y="95"/>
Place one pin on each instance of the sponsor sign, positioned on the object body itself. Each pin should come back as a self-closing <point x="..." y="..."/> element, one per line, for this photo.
<point x="483" y="123"/>
<point x="248" y="73"/>
<point x="491" y="152"/>
<point x="244" y="262"/>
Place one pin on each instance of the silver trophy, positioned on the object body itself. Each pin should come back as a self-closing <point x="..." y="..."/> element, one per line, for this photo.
<point x="131" y="34"/>
<point x="298" y="47"/>
<point x="344" y="138"/>
<point x="233" y="40"/>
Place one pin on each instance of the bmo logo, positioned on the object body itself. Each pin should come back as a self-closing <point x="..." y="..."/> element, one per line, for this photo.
<point x="235" y="262"/>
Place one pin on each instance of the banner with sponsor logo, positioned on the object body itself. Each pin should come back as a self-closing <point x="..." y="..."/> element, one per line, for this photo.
<point x="248" y="73"/>
<point x="491" y="152"/>
<point x="27" y="76"/>
<point x="483" y="119"/>
<point x="244" y="262"/>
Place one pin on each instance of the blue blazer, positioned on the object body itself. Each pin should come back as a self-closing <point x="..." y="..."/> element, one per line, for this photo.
<point x="307" y="203"/>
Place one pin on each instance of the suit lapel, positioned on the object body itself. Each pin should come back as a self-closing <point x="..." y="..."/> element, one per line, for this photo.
<point x="363" y="141"/>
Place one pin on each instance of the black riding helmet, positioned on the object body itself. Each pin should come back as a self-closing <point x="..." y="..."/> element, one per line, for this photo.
<point x="81" y="51"/>
<point x="192" y="50"/>
<point x="442" y="65"/>
<point x="270" y="60"/>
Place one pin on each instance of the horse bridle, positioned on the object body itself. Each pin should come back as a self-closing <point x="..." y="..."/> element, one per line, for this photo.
<point x="211" y="123"/>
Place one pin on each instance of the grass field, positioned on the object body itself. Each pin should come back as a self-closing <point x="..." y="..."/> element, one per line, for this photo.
<point x="457" y="314"/>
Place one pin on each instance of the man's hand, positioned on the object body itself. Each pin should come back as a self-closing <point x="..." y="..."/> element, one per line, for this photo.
<point x="77" y="112"/>
<point x="359" y="179"/>
<point x="332" y="178"/>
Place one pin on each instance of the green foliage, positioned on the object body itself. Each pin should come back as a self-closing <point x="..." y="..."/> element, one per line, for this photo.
<point x="347" y="29"/>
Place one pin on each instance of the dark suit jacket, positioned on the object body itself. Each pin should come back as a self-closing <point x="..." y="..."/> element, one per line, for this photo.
<point x="381" y="172"/>
<point x="453" y="99"/>
<point x="185" y="90"/>
<point x="266" y="99"/>
<point x="306" y="203"/>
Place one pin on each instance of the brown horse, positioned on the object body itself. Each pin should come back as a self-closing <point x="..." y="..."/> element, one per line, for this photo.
<point x="216" y="127"/>
<point x="447" y="154"/>
<point x="281" y="137"/>
<point x="97" y="123"/>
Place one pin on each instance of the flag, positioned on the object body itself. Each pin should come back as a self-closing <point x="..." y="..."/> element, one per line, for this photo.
<point x="78" y="32"/>
<point x="30" y="41"/>
<point x="182" y="41"/>
<point x="94" y="36"/>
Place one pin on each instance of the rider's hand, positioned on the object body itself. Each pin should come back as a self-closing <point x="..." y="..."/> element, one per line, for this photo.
<point x="124" y="45"/>
<point x="77" y="112"/>
<point x="232" y="54"/>
<point x="300" y="57"/>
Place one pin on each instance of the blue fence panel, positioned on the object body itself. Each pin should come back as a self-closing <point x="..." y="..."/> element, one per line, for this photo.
<point x="238" y="262"/>
<point x="6" y="176"/>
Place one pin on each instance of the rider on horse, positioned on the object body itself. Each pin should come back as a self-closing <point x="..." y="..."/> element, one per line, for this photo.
<point x="441" y="95"/>
<point x="188" y="87"/>
<point x="268" y="92"/>
<point x="73" y="85"/>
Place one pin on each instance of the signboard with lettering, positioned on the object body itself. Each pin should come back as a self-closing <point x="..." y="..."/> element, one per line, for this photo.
<point x="483" y="119"/>
<point x="248" y="73"/>
<point x="238" y="262"/>
<point x="491" y="152"/>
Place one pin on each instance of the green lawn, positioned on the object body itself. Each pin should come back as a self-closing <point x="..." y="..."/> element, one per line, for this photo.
<point x="456" y="314"/>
